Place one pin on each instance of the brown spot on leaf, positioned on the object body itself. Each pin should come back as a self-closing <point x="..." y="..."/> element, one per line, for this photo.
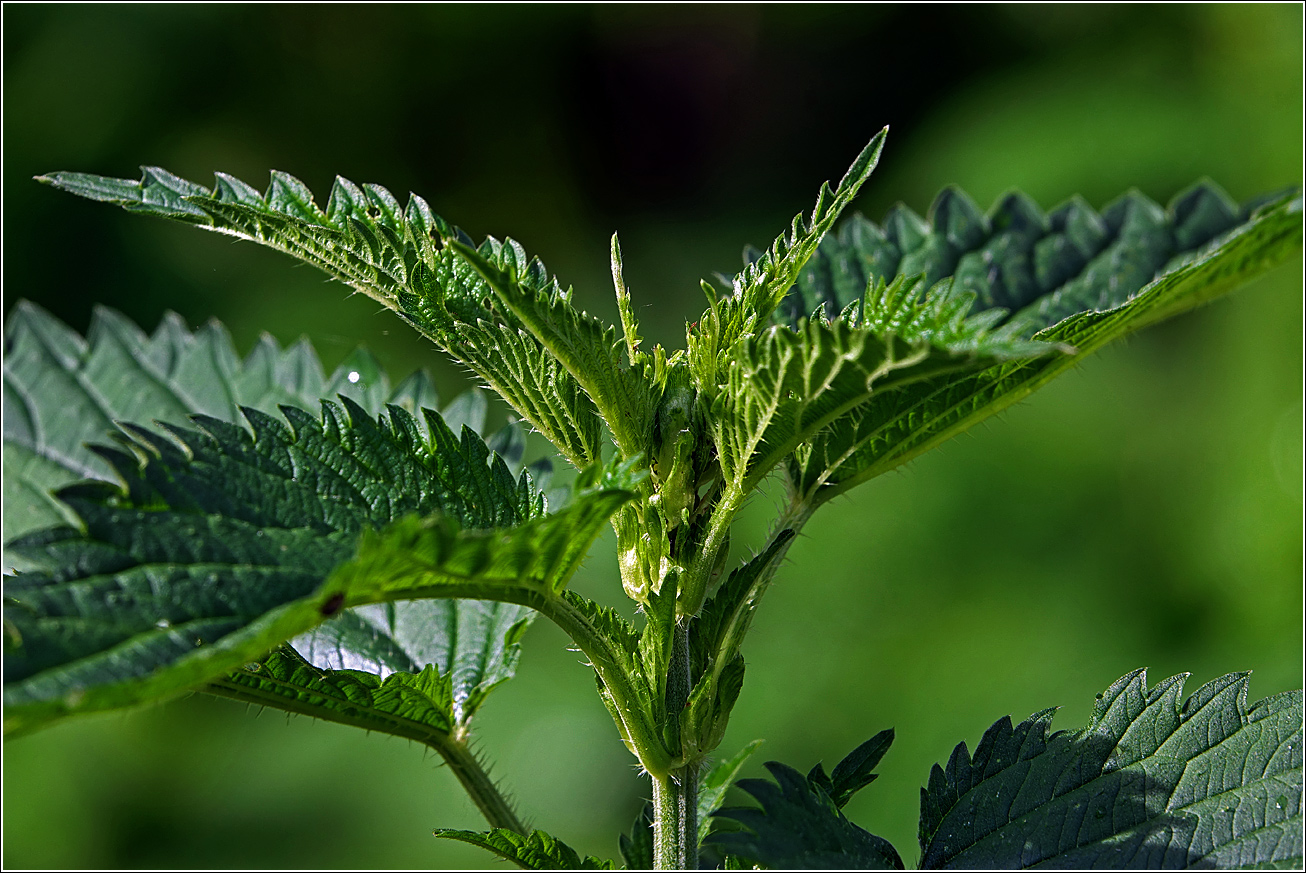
<point x="333" y="604"/>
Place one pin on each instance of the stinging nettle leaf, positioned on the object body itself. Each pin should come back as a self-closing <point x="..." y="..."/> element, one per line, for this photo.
<point x="421" y="705"/>
<point x="853" y="773"/>
<point x="416" y="705"/>
<point x="716" y="782"/>
<point x="587" y="348"/>
<point x="765" y="279"/>
<point x="637" y="846"/>
<point x="222" y="543"/>
<point x="1074" y="278"/>
<point x="519" y="332"/>
<point x="536" y="851"/>
<point x="1153" y="781"/>
<point x="716" y="663"/>
<point x="785" y="385"/>
<point x="799" y="827"/>
<point x="62" y="392"/>
<point x="471" y="644"/>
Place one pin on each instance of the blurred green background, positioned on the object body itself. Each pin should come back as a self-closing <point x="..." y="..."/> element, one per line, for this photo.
<point x="1145" y="510"/>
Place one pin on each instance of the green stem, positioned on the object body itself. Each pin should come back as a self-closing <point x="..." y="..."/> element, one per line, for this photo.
<point x="675" y="796"/>
<point x="493" y="805"/>
<point x="675" y="820"/>
<point x="635" y="723"/>
<point x="452" y="747"/>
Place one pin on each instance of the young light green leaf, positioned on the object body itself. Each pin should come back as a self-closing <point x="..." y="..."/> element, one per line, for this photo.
<point x="716" y="782"/>
<point x="629" y="323"/>
<point x="222" y="544"/>
<point x="587" y="348"/>
<point x="759" y="288"/>
<point x="62" y="392"/>
<point x="538" y="851"/>
<point x="628" y="691"/>
<point x="799" y="827"/>
<point x="1076" y="278"/>
<point x="784" y="386"/>
<point x="1153" y="781"/>
<point x="396" y="256"/>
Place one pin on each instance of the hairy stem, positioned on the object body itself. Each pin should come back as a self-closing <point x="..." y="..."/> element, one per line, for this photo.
<point x="451" y="747"/>
<point x="675" y="797"/>
<point x="636" y="726"/>
<point x="492" y="804"/>
<point x="675" y="820"/>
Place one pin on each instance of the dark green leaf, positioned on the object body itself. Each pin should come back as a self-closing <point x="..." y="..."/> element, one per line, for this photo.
<point x="800" y="827"/>
<point x="637" y="847"/>
<point x="429" y="704"/>
<point x="1154" y="781"/>
<point x="539" y="851"/>
<point x="222" y="544"/>
<point x="62" y="392"/>
<point x="1095" y="278"/>
<point x="417" y="705"/>
<point x="716" y="782"/>
<point x="853" y="773"/>
<point x="123" y="373"/>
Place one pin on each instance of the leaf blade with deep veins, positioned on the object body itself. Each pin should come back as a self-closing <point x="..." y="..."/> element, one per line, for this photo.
<point x="1153" y="781"/>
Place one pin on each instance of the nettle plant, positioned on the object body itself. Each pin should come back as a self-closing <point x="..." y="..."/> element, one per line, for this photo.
<point x="332" y="547"/>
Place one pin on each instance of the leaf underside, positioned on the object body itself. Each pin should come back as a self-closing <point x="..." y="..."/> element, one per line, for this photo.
<point x="1071" y="277"/>
<point x="417" y="705"/>
<point x="221" y="544"/>
<point x="438" y="658"/>
<point x="785" y="386"/>
<point x="497" y="311"/>
<point x="1154" y="781"/>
